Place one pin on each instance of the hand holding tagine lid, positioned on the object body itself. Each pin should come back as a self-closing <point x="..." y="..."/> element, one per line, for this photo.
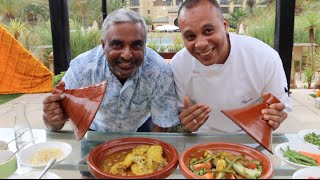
<point x="250" y="120"/>
<point x="81" y="105"/>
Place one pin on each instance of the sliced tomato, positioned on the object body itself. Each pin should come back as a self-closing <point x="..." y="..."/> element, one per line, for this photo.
<point x="206" y="165"/>
<point x="230" y="176"/>
<point x="252" y="166"/>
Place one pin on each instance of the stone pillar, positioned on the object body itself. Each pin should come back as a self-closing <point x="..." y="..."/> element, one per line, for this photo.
<point x="51" y="62"/>
<point x="293" y="84"/>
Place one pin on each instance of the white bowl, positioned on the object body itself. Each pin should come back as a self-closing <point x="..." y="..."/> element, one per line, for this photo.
<point x="25" y="156"/>
<point x="3" y="145"/>
<point x="307" y="173"/>
<point x="303" y="133"/>
<point x="35" y="175"/>
<point x="297" y="147"/>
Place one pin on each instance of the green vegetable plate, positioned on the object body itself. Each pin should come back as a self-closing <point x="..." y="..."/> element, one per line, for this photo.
<point x="294" y="154"/>
<point x="311" y="136"/>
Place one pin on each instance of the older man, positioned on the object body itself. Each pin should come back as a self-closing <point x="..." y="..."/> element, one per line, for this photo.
<point x="140" y="82"/>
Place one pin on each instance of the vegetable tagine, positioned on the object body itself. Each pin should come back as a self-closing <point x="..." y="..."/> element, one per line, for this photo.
<point x="225" y="165"/>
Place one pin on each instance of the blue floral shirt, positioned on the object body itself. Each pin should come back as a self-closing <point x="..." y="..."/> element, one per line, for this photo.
<point x="149" y="92"/>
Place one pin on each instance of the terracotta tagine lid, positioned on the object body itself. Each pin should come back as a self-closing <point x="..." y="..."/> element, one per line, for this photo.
<point x="250" y="120"/>
<point x="81" y="105"/>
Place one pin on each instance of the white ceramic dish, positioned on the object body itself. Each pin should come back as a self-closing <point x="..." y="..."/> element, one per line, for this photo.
<point x="25" y="156"/>
<point x="307" y="173"/>
<point x="297" y="147"/>
<point x="3" y="145"/>
<point x="304" y="132"/>
<point x="35" y="175"/>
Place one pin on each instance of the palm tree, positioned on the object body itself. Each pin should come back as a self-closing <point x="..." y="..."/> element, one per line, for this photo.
<point x="16" y="27"/>
<point x="85" y="11"/>
<point x="250" y="4"/>
<point x="33" y="12"/>
<point x="236" y="17"/>
<point x="9" y="9"/>
<point x="310" y="23"/>
<point x="115" y="4"/>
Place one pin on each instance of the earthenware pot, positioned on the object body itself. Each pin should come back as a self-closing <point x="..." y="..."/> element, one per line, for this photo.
<point x="101" y="152"/>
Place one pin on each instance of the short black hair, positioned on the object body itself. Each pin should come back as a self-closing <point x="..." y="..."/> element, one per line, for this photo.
<point x="188" y="4"/>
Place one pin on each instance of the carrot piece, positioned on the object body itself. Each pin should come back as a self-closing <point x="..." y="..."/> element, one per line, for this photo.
<point x="208" y="176"/>
<point x="311" y="155"/>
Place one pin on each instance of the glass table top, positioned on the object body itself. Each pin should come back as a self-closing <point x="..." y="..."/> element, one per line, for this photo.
<point x="70" y="167"/>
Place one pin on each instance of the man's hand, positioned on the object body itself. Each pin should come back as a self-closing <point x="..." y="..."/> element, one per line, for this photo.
<point x="274" y="115"/>
<point x="194" y="115"/>
<point x="53" y="114"/>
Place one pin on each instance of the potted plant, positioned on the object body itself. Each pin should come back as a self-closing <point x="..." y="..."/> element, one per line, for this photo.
<point x="168" y="51"/>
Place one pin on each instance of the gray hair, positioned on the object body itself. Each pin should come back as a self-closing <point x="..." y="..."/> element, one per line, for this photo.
<point x="120" y="16"/>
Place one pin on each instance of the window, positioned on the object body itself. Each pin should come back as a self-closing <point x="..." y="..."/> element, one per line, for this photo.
<point x="134" y="3"/>
<point x="162" y="2"/>
<point x="225" y="10"/>
<point x="224" y="2"/>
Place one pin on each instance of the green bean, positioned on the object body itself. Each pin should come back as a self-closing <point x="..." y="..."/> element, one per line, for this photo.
<point x="230" y="163"/>
<point x="302" y="157"/>
<point x="203" y="160"/>
<point x="298" y="158"/>
<point x="217" y="171"/>
<point x="306" y="163"/>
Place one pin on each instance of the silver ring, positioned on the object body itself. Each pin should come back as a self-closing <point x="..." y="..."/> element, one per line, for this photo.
<point x="195" y="121"/>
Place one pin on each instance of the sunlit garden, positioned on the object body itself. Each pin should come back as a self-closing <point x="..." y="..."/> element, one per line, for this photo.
<point x="29" y="23"/>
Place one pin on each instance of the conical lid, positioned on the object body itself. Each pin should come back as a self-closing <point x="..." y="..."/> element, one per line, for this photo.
<point x="81" y="105"/>
<point x="250" y="120"/>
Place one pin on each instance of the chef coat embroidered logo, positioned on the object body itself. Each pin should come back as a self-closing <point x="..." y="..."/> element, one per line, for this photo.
<point x="246" y="101"/>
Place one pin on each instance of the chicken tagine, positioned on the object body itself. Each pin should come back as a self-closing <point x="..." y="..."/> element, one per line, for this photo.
<point x="141" y="160"/>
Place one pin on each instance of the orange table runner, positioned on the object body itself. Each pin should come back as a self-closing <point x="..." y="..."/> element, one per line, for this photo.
<point x="20" y="71"/>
